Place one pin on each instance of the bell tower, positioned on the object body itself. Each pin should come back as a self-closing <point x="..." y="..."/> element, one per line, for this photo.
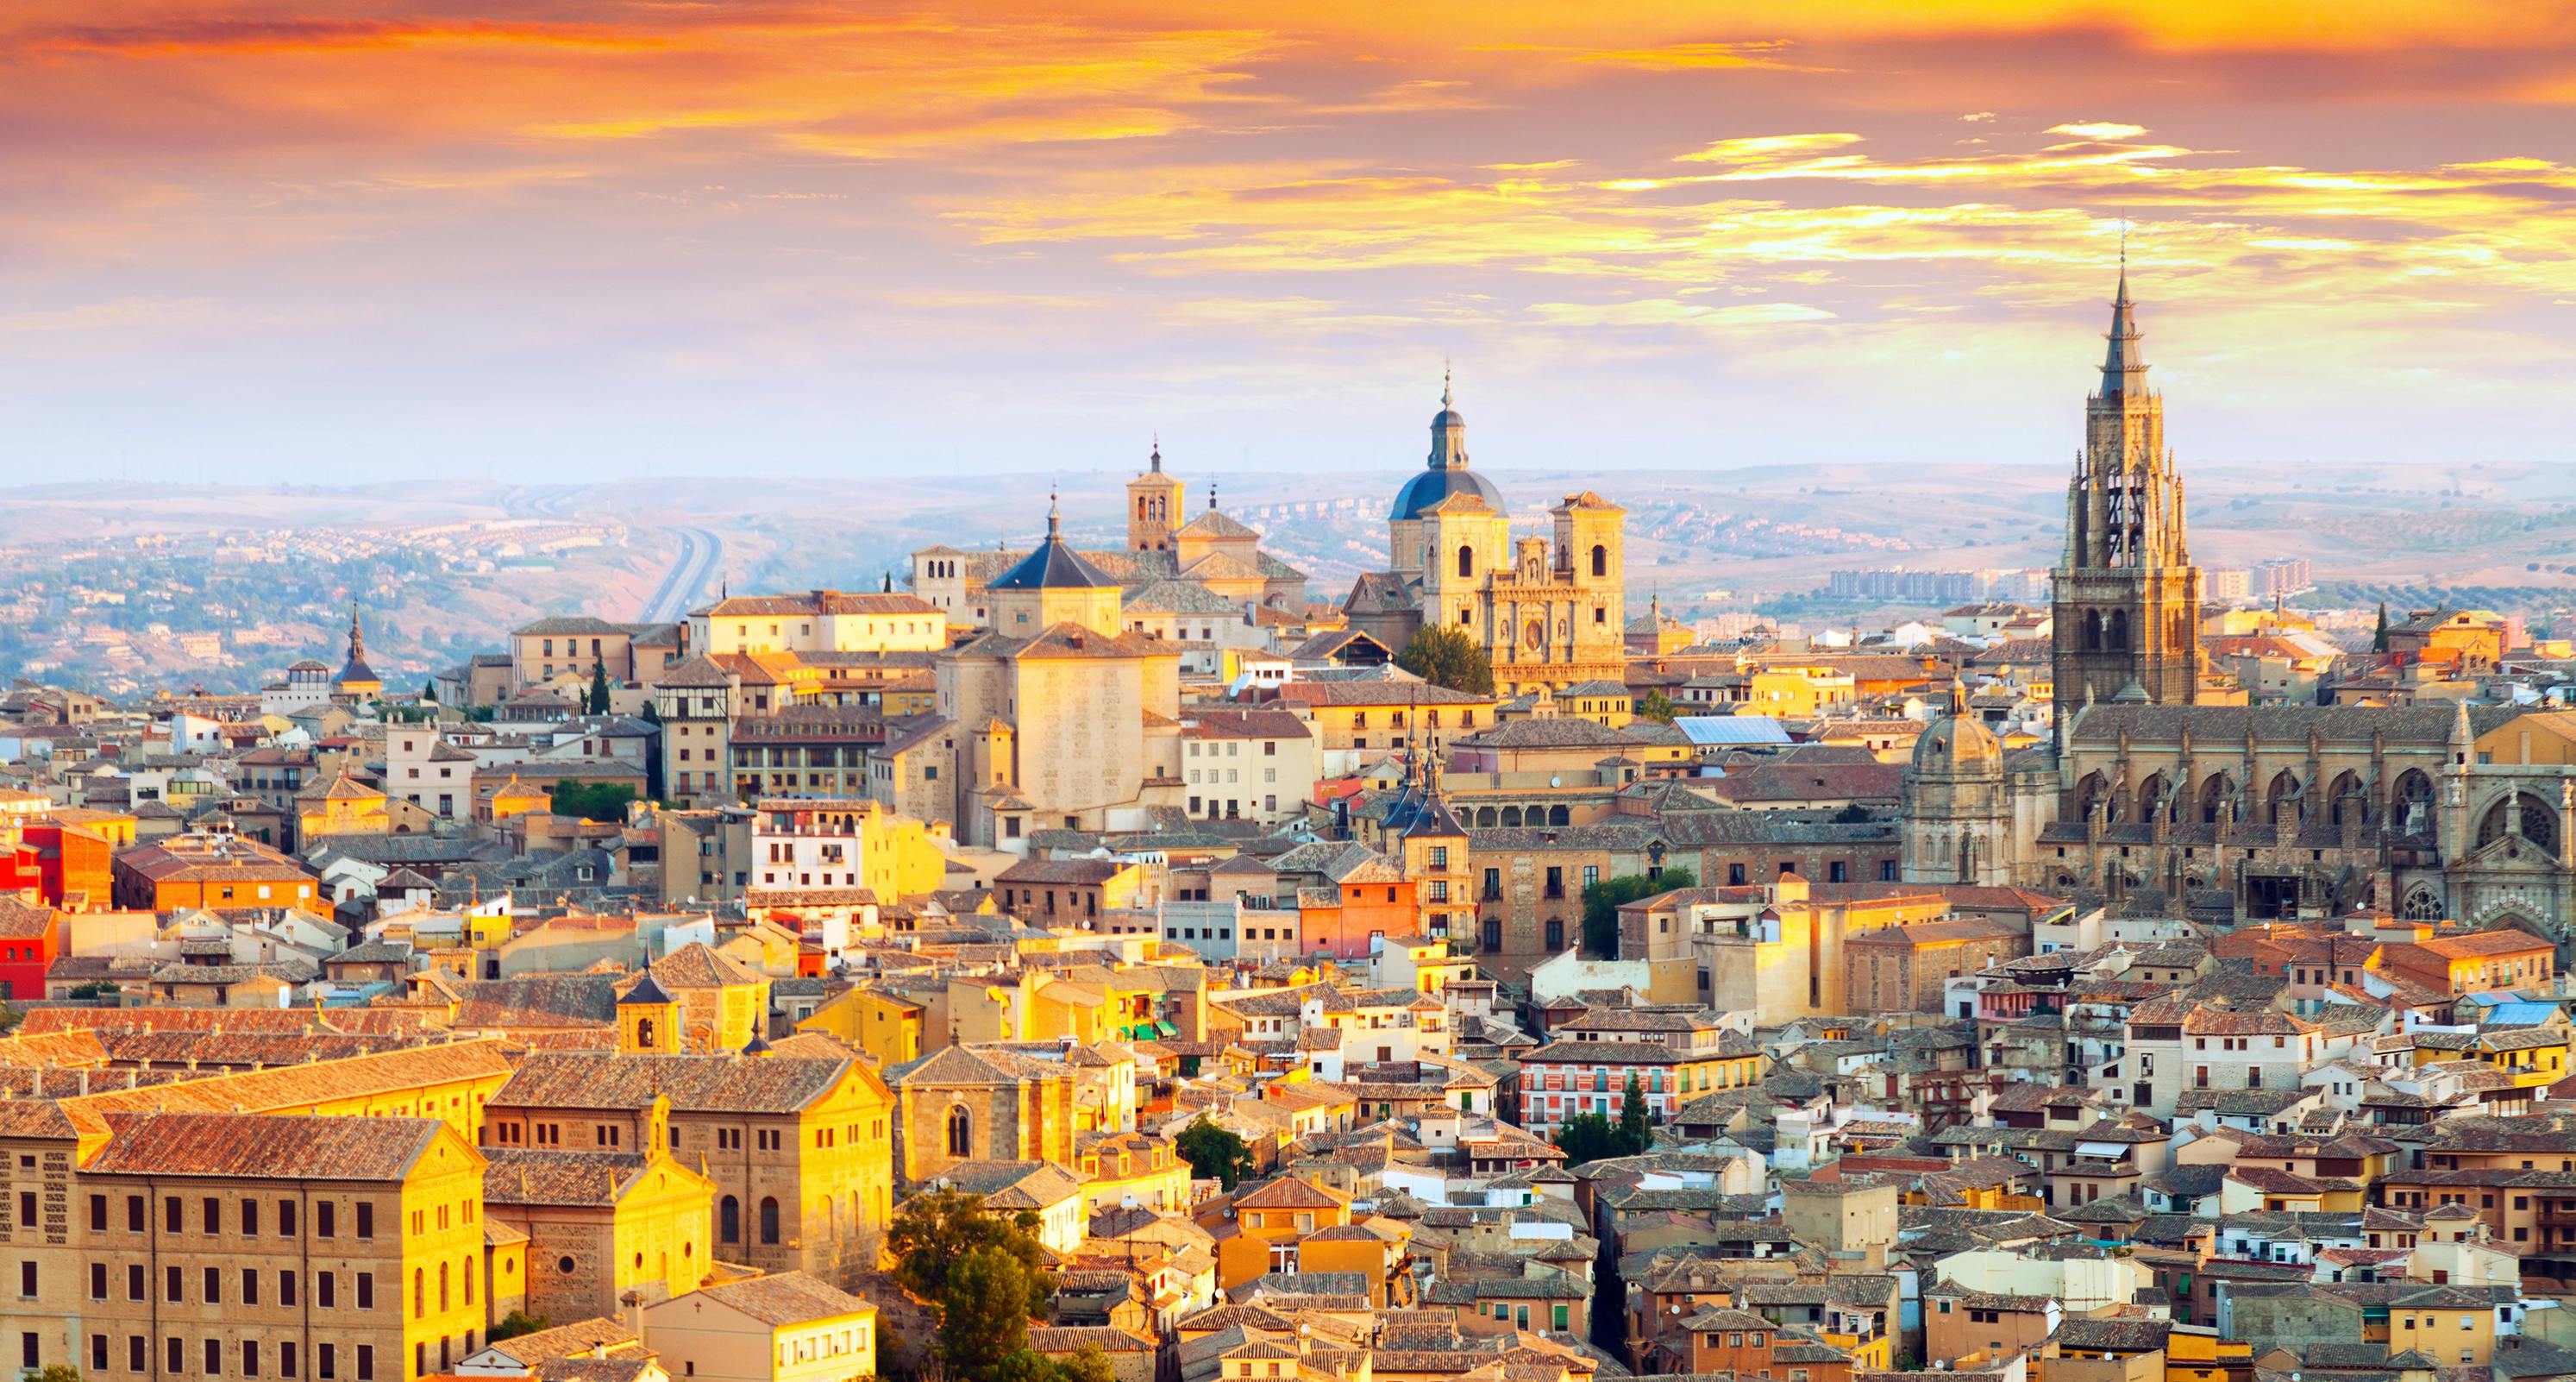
<point x="1154" y="506"/>
<point x="2125" y="596"/>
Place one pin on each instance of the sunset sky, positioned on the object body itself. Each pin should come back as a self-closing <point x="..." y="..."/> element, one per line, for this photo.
<point x="590" y="238"/>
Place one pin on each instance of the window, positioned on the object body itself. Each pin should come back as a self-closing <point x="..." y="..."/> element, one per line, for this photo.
<point x="214" y="1357"/>
<point x="134" y="1281"/>
<point x="286" y="1218"/>
<point x="138" y="1354"/>
<point x="366" y="1363"/>
<point x="768" y="1220"/>
<point x="326" y="1293"/>
<point x="326" y="1360"/>
<point x="366" y="1219"/>
<point x="366" y="1290"/>
<point x="98" y="1281"/>
<point x="325" y="1217"/>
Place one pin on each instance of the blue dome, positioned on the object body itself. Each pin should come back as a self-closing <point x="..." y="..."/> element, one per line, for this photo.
<point x="1426" y="491"/>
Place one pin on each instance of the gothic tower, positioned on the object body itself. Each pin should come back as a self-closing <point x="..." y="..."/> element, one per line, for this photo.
<point x="2126" y="599"/>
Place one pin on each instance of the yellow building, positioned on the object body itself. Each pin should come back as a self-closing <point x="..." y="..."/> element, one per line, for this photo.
<point x="798" y="1143"/>
<point x="983" y="1104"/>
<point x="206" y="1216"/>
<point x="887" y="1026"/>
<point x="1792" y="692"/>
<point x="449" y="1082"/>
<point x="2454" y="1327"/>
<point x="341" y="806"/>
<point x="788" y="1327"/>
<point x="1138" y="1168"/>
<point x="2530" y="1056"/>
<point x="516" y="798"/>
<point x="601" y="1224"/>
<point x="1271" y="1222"/>
<point x="722" y="1005"/>
<point x="821" y="621"/>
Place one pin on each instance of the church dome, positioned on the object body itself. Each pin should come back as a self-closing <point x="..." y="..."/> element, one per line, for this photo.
<point x="1053" y="566"/>
<point x="1445" y="474"/>
<point x="1430" y="489"/>
<point x="1957" y="743"/>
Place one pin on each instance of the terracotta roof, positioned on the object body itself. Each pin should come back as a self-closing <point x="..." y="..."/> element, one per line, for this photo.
<point x="786" y="1298"/>
<point x="248" y="1145"/>
<point x="776" y="1083"/>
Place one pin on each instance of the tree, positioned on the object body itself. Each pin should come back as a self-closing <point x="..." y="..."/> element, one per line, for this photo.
<point x="1635" y="1135"/>
<point x="1445" y="656"/>
<point x="1655" y="706"/>
<point x="984" y="1312"/>
<point x="932" y="1233"/>
<point x="53" y="1372"/>
<point x="516" y="1323"/>
<point x="598" y="687"/>
<point x="652" y="712"/>
<point x="592" y="801"/>
<point x="429" y="692"/>
<point x="2379" y="636"/>
<point x="1214" y="1153"/>
<point x="1602" y="901"/>
<point x="1586" y="1137"/>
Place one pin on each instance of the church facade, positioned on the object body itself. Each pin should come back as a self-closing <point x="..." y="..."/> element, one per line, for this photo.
<point x="1547" y="608"/>
<point x="2154" y="795"/>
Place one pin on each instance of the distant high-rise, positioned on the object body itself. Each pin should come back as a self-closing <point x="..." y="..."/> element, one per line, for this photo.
<point x="2126" y="597"/>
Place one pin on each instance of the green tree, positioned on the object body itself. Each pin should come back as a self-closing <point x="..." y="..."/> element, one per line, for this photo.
<point x="516" y="1323"/>
<point x="592" y="801"/>
<point x="1445" y="656"/>
<point x="1214" y="1153"/>
<point x="1655" y="706"/>
<point x="598" y="704"/>
<point x="652" y="712"/>
<point x="1635" y="1134"/>
<point x="2379" y="636"/>
<point x="1602" y="901"/>
<point x="932" y="1233"/>
<point x="984" y="1312"/>
<point x="1587" y="1137"/>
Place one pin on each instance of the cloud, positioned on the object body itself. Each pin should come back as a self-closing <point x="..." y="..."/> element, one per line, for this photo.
<point x="2099" y="130"/>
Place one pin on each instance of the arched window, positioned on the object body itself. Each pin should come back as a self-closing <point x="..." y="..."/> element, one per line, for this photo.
<point x="2410" y="809"/>
<point x="1600" y="560"/>
<point x="467" y="1272"/>
<point x="1557" y="815"/>
<point x="2421" y="905"/>
<point x="2214" y="796"/>
<point x="2534" y="822"/>
<point x="442" y="1287"/>
<point x="1466" y="560"/>
<point x="2090" y="792"/>
<point x="2344" y="799"/>
<point x="768" y="1220"/>
<point x="961" y="1132"/>
<point x="2116" y="636"/>
<point x="2281" y="801"/>
<point x="729" y="1220"/>
<point x="644" y="1033"/>
<point x="2155" y="798"/>
<point x="1511" y="817"/>
<point x="2092" y="630"/>
<point x="419" y="1293"/>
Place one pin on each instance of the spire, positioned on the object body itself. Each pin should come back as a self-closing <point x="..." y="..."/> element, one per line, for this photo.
<point x="1055" y="517"/>
<point x="1211" y="496"/>
<point x="1444" y="382"/>
<point x="1958" y="697"/>
<point x="357" y="635"/>
<point x="1156" y="460"/>
<point x="2124" y="365"/>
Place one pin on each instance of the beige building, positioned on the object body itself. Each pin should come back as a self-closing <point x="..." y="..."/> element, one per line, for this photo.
<point x="819" y="621"/>
<point x="1548" y="610"/>
<point x="1247" y="764"/>
<point x="1064" y="719"/>
<point x="983" y="1103"/>
<point x="788" y="1327"/>
<point x="799" y="1147"/>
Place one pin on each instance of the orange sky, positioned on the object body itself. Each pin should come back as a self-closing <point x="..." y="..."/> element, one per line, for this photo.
<point x="600" y="235"/>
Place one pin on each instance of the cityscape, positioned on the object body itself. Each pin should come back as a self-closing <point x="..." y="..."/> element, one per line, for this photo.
<point x="1166" y="694"/>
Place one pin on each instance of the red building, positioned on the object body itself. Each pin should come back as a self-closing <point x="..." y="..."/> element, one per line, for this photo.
<point x="29" y="933"/>
<point x="72" y="864"/>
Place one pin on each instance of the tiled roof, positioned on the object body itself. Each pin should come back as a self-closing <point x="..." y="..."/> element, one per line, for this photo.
<point x="551" y="1176"/>
<point x="246" y="1145"/>
<point x="775" y="1083"/>
<point x="786" y="1298"/>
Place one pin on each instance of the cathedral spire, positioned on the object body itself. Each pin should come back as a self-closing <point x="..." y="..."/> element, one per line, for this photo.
<point x="357" y="636"/>
<point x="1055" y="517"/>
<point x="1157" y="458"/>
<point x="1448" y="431"/>
<point x="2124" y="365"/>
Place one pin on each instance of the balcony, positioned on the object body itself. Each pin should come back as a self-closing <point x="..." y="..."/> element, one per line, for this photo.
<point x="2559" y="1212"/>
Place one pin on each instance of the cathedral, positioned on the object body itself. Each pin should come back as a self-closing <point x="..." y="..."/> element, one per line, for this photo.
<point x="1546" y="608"/>
<point x="2156" y="796"/>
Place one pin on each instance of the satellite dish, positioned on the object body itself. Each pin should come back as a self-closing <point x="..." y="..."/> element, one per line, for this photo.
<point x="1554" y="781"/>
